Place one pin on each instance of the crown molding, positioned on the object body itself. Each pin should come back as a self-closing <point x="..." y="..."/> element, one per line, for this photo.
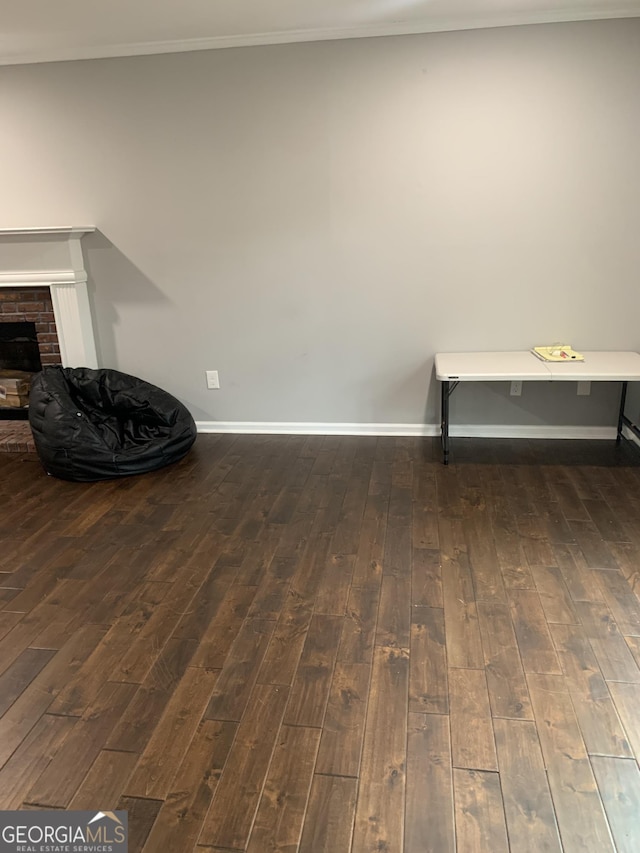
<point x="40" y="278"/>
<point x="46" y="230"/>
<point x="311" y="35"/>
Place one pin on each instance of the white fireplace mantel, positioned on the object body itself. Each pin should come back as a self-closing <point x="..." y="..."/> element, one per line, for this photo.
<point x="52" y="257"/>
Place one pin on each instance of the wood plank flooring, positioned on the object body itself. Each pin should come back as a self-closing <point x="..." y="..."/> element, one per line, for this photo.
<point x="330" y="644"/>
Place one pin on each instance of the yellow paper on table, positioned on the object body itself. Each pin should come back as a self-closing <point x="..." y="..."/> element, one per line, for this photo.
<point x="558" y="352"/>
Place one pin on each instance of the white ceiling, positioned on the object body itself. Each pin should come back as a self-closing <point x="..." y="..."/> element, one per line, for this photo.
<point x="45" y="30"/>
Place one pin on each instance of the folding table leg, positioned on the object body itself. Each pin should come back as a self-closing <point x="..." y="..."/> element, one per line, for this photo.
<point x="444" y="423"/>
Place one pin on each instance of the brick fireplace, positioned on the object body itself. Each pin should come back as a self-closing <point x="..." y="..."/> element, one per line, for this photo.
<point x="43" y="286"/>
<point x="43" y="280"/>
<point x="33" y="305"/>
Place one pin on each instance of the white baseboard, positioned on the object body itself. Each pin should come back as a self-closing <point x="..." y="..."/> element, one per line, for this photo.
<point x="540" y="431"/>
<point x="309" y="428"/>
<point x="630" y="435"/>
<point x="417" y="430"/>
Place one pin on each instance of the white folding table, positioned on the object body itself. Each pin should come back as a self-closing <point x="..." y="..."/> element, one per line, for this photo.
<point x="455" y="367"/>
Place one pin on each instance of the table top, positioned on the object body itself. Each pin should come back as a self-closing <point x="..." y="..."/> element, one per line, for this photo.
<point x="525" y="366"/>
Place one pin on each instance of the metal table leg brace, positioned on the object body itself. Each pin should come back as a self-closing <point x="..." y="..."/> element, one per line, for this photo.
<point x="623" y="420"/>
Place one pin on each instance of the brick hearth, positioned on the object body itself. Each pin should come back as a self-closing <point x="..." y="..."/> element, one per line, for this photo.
<point x="15" y="437"/>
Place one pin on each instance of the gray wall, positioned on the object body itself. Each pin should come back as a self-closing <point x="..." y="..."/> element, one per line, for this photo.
<point x="315" y="221"/>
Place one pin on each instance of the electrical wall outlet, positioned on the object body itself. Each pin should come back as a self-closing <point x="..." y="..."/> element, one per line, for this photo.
<point x="516" y="388"/>
<point x="213" y="380"/>
<point x="584" y="389"/>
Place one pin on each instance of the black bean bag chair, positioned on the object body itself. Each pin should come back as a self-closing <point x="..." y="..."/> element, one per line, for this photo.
<point x="98" y="424"/>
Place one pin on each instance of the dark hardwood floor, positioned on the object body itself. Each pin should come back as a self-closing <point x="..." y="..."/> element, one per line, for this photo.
<point x="330" y="644"/>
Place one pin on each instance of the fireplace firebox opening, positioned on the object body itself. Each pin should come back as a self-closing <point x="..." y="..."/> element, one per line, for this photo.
<point x="19" y="348"/>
